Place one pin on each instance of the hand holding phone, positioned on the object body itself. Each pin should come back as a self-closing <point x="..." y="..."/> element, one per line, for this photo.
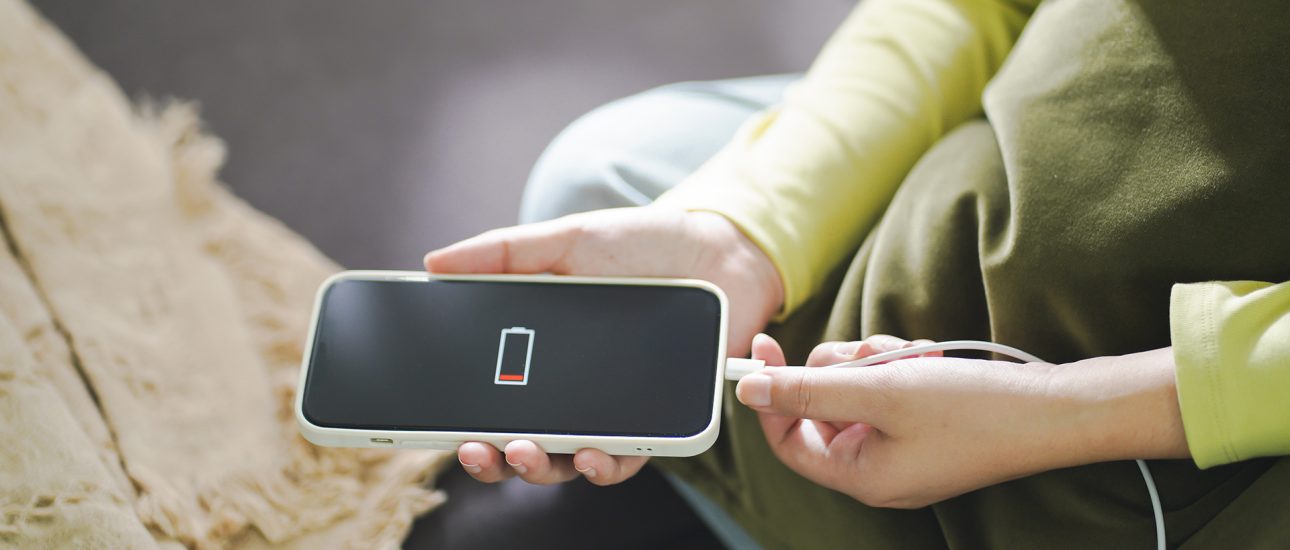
<point x="647" y="241"/>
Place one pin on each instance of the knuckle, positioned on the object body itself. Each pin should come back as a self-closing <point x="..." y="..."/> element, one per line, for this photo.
<point x="799" y="391"/>
<point x="506" y="248"/>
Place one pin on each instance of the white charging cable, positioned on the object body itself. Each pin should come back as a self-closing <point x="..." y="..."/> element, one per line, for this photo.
<point x="738" y="368"/>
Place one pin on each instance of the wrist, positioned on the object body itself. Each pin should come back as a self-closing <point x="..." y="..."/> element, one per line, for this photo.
<point x="1125" y="407"/>
<point x="730" y="251"/>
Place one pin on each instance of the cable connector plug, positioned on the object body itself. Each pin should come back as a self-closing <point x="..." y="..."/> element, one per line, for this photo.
<point x="737" y="368"/>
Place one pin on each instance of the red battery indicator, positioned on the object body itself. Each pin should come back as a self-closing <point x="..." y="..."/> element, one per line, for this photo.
<point x="514" y="353"/>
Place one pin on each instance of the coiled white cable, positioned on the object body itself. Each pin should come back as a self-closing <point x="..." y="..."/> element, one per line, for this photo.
<point x="738" y="368"/>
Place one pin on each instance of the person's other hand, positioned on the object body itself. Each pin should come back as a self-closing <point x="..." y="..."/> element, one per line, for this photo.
<point x="913" y="432"/>
<point x="637" y="242"/>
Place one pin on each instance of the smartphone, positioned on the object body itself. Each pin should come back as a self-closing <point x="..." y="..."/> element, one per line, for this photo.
<point x="630" y="366"/>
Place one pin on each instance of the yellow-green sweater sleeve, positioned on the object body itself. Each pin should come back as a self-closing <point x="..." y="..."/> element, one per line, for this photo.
<point x="1232" y="351"/>
<point x="808" y="179"/>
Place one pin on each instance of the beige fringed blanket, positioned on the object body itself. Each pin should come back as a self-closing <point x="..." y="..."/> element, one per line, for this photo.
<point x="150" y="335"/>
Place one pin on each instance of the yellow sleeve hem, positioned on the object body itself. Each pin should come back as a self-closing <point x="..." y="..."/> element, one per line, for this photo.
<point x="1192" y="315"/>
<point x="1232" y="352"/>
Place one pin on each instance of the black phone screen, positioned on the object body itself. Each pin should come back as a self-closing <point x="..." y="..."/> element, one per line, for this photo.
<point x="485" y="356"/>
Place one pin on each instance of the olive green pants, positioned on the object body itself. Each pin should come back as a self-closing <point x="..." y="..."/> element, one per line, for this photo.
<point x="975" y="248"/>
<point x="1100" y="505"/>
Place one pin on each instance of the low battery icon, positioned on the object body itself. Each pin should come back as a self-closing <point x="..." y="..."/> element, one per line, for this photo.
<point x="514" y="352"/>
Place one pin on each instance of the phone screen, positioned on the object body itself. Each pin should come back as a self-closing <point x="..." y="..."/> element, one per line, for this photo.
<point x="484" y="356"/>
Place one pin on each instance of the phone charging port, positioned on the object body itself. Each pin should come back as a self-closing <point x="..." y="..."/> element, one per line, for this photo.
<point x="382" y="441"/>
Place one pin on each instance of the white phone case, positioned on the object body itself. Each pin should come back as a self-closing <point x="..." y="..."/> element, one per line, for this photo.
<point x="551" y="443"/>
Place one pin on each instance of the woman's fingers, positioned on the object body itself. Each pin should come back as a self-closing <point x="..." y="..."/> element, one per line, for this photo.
<point x="832" y="353"/>
<point x="600" y="468"/>
<point x="483" y="462"/>
<point x="527" y="460"/>
<point x="532" y="248"/>
<point x="536" y="466"/>
<point x="767" y="349"/>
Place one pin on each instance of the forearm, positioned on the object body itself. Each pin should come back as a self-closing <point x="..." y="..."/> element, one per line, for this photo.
<point x="1117" y="408"/>
<point x="807" y="180"/>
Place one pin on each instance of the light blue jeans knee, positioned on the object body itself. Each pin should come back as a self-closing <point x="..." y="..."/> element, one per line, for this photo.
<point x="628" y="152"/>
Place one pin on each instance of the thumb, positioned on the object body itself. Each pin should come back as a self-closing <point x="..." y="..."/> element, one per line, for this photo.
<point x="767" y="349"/>
<point x="533" y="248"/>
<point x="844" y="394"/>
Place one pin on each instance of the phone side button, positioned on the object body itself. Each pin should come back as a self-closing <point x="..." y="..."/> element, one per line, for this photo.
<point x="381" y="441"/>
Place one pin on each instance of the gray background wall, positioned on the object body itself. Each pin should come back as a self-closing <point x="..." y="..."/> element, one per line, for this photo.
<point x="380" y="130"/>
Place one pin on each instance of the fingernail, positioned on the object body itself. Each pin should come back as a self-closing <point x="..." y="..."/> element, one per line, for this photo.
<point x="848" y="349"/>
<point x="519" y="467"/>
<point x="472" y="468"/>
<point x="589" y="472"/>
<point x="754" y="390"/>
<point x="759" y="338"/>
